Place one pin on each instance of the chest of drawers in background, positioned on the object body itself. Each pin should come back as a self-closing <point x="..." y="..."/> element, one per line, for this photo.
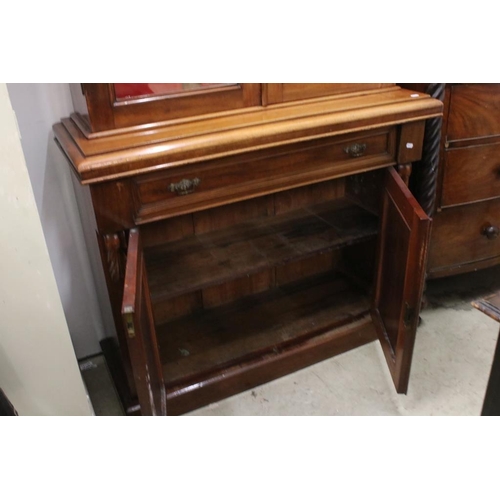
<point x="465" y="234"/>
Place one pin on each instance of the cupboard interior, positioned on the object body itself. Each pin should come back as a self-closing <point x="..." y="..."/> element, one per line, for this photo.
<point x="241" y="282"/>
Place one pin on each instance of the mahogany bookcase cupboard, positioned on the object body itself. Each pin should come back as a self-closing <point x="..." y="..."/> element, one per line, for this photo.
<point x="250" y="230"/>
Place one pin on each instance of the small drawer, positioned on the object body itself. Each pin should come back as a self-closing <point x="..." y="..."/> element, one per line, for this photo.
<point x="471" y="174"/>
<point x="465" y="234"/>
<point x="209" y="184"/>
<point x="474" y="111"/>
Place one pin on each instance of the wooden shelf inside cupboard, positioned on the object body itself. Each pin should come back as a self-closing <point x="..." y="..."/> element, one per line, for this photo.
<point x="204" y="351"/>
<point x="213" y="339"/>
<point x="209" y="259"/>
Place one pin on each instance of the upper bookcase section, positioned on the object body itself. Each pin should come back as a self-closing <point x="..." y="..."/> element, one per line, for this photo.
<point x="109" y="106"/>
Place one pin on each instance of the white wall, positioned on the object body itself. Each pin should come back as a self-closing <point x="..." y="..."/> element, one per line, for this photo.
<point x="38" y="369"/>
<point x="72" y="248"/>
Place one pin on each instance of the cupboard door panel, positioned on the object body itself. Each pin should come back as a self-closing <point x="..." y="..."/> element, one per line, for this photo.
<point x="400" y="276"/>
<point x="287" y="92"/>
<point x="141" y="336"/>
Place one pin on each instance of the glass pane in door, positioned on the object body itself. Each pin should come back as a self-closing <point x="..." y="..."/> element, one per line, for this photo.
<point x="134" y="90"/>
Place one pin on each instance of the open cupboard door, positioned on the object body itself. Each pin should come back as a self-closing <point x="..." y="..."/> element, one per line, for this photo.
<point x="141" y="336"/>
<point x="401" y="264"/>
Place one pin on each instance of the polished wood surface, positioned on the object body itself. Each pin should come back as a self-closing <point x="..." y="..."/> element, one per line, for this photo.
<point x="286" y="92"/>
<point x="471" y="174"/>
<point x="474" y="111"/>
<point x="240" y="245"/>
<point x="107" y="112"/>
<point x="141" y="336"/>
<point x="169" y="146"/>
<point x="113" y="250"/>
<point x="244" y="176"/>
<point x="464" y="234"/>
<point x="411" y="142"/>
<point x="426" y="179"/>
<point x="401" y="264"/>
<point x="458" y="235"/>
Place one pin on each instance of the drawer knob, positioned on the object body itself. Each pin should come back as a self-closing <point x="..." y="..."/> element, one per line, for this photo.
<point x="355" y="150"/>
<point x="491" y="232"/>
<point x="185" y="186"/>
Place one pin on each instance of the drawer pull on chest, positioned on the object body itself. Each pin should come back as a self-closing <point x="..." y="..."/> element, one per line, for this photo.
<point x="491" y="232"/>
<point x="356" y="150"/>
<point x="185" y="186"/>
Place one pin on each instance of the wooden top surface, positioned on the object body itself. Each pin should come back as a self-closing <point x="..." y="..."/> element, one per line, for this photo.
<point x="155" y="147"/>
<point x="489" y="305"/>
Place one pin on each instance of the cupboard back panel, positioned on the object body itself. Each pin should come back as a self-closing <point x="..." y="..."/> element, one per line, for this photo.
<point x="214" y="219"/>
<point x="224" y="217"/>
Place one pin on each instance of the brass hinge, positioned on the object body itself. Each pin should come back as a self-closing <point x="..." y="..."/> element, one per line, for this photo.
<point x="129" y="322"/>
<point x="409" y="315"/>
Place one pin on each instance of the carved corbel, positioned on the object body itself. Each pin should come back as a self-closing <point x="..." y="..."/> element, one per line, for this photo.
<point x="116" y="251"/>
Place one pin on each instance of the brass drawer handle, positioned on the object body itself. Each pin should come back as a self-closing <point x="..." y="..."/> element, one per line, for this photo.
<point x="491" y="232"/>
<point x="356" y="150"/>
<point x="184" y="187"/>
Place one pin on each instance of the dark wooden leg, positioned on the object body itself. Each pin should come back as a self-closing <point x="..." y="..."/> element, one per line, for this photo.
<point x="491" y="404"/>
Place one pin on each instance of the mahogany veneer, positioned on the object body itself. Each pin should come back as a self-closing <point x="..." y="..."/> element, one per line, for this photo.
<point x="466" y="213"/>
<point x="250" y="230"/>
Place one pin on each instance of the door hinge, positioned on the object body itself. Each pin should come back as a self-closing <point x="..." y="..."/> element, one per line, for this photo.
<point x="129" y="323"/>
<point x="409" y="315"/>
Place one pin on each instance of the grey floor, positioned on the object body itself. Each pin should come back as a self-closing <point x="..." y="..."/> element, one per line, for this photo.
<point x="452" y="359"/>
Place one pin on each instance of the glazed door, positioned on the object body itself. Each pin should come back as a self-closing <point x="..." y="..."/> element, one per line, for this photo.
<point x="118" y="105"/>
<point x="141" y="336"/>
<point x="400" y="277"/>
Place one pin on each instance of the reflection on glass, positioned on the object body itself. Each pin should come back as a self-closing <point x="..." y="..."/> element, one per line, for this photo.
<point x="128" y="90"/>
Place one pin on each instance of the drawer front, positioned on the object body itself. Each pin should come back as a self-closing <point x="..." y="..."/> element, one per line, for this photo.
<point x="209" y="184"/>
<point x="465" y="234"/>
<point x="474" y="111"/>
<point x="471" y="174"/>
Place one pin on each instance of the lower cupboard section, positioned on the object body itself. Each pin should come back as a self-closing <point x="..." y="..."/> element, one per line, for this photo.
<point x="219" y="352"/>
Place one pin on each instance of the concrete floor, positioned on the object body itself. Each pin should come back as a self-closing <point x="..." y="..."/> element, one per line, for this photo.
<point x="451" y="364"/>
